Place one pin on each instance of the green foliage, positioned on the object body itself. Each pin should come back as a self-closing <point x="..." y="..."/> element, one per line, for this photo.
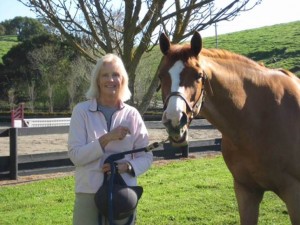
<point x="31" y="28"/>
<point x="24" y="27"/>
<point x="184" y="192"/>
<point x="29" y="63"/>
<point x="2" y="30"/>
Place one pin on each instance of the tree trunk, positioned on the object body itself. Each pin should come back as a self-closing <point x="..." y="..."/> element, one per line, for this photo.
<point x="148" y="96"/>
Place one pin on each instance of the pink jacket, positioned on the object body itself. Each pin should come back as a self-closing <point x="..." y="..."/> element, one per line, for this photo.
<point x="87" y="125"/>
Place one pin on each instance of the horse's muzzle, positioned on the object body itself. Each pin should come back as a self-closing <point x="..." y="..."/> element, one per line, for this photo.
<point x="183" y="141"/>
<point x="178" y="136"/>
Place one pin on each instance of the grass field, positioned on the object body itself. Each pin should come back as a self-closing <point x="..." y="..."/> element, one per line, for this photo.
<point x="184" y="192"/>
<point x="6" y="43"/>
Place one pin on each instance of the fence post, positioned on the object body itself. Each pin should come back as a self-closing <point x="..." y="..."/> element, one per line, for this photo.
<point x="17" y="116"/>
<point x="185" y="151"/>
<point x="13" y="153"/>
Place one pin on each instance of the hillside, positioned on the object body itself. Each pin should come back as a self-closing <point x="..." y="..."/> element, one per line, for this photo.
<point x="276" y="46"/>
<point x="6" y="42"/>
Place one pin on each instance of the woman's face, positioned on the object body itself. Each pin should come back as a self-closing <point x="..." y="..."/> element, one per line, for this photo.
<point x="110" y="79"/>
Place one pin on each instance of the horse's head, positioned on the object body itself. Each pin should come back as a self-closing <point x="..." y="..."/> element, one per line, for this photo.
<point x="182" y="81"/>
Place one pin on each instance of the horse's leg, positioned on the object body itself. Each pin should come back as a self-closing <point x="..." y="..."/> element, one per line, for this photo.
<point x="248" y="202"/>
<point x="248" y="198"/>
<point x="291" y="197"/>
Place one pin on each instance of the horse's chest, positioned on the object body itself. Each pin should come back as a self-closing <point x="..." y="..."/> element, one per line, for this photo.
<point x="248" y="169"/>
<point x="252" y="175"/>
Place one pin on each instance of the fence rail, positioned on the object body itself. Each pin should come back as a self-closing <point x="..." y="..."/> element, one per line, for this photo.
<point x="13" y="165"/>
<point x="47" y="122"/>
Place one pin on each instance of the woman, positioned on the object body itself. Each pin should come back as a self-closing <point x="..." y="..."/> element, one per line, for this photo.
<point x="102" y="126"/>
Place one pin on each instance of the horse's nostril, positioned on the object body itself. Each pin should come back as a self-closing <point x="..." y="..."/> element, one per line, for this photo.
<point x="183" y="120"/>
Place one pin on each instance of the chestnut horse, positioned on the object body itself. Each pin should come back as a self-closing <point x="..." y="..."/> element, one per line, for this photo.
<point x="256" y="109"/>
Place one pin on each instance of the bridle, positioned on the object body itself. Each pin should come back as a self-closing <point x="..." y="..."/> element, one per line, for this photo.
<point x="194" y="109"/>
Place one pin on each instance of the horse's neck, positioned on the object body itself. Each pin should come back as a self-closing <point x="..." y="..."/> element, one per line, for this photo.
<point x="225" y="98"/>
<point x="240" y="97"/>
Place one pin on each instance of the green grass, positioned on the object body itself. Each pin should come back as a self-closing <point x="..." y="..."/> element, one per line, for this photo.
<point x="184" y="192"/>
<point x="6" y="43"/>
<point x="276" y="46"/>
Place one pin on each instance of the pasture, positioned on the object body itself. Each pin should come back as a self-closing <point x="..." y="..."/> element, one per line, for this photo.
<point x="6" y="43"/>
<point x="178" y="192"/>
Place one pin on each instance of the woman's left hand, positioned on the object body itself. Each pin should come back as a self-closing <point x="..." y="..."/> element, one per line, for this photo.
<point x="121" y="167"/>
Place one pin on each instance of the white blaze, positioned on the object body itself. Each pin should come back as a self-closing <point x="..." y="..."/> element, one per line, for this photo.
<point x="176" y="104"/>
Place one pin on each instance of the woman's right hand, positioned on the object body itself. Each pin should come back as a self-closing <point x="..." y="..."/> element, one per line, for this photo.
<point x="119" y="133"/>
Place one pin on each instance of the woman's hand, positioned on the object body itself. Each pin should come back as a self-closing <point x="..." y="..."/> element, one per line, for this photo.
<point x="119" y="133"/>
<point x="121" y="167"/>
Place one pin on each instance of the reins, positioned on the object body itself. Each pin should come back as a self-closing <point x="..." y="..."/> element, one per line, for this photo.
<point x="121" y="155"/>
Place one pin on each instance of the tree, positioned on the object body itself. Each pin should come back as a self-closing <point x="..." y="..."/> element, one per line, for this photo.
<point x="9" y="29"/>
<point x="131" y="28"/>
<point x="28" y="28"/>
<point x="24" y="27"/>
<point x="19" y="73"/>
<point x="78" y="74"/>
<point x="16" y="70"/>
<point x="51" y="64"/>
<point x="2" y="30"/>
<point x="31" y="94"/>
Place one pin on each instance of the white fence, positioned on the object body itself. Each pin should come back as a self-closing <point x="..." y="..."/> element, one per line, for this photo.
<point x="47" y="122"/>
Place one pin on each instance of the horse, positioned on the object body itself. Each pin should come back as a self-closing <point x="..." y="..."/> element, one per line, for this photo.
<point x="256" y="109"/>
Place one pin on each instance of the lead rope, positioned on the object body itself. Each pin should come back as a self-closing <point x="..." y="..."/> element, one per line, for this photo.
<point x="155" y="145"/>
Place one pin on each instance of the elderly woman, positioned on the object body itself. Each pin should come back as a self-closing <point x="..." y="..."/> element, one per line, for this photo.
<point x="101" y="126"/>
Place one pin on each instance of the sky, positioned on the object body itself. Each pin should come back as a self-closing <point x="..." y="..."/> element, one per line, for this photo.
<point x="269" y="12"/>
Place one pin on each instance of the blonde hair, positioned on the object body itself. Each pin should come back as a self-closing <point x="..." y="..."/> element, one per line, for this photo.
<point x="94" y="92"/>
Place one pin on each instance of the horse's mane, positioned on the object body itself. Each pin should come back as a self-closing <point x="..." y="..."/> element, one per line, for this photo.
<point x="177" y="52"/>
<point x="183" y="52"/>
<point x="220" y="54"/>
<point x="288" y="73"/>
<point x="227" y="55"/>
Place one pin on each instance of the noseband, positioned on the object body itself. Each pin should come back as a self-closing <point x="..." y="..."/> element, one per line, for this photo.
<point x="198" y="104"/>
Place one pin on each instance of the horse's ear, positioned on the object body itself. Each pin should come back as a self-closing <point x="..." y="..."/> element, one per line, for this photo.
<point x="164" y="43"/>
<point x="196" y="43"/>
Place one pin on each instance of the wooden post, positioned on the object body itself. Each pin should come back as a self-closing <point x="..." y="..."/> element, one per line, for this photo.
<point x="13" y="153"/>
<point x="185" y="151"/>
<point x="12" y="117"/>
